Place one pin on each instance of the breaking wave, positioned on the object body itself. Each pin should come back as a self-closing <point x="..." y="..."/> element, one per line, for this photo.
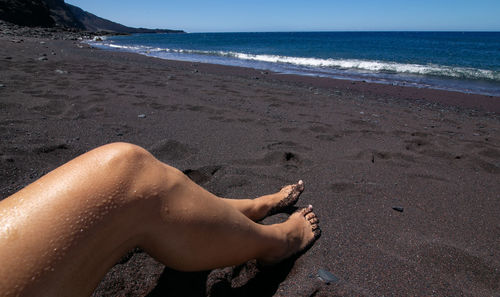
<point x="339" y="64"/>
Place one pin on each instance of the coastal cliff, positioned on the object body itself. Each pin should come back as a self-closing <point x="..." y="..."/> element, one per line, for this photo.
<point x="57" y="13"/>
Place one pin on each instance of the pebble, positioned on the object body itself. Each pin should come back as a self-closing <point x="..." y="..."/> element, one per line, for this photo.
<point x="59" y="71"/>
<point x="2" y="86"/>
<point x="327" y="276"/>
<point x="398" y="208"/>
<point x="43" y="58"/>
<point x="141" y="116"/>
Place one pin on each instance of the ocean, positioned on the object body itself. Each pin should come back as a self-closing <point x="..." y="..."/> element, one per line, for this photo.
<point x="467" y="62"/>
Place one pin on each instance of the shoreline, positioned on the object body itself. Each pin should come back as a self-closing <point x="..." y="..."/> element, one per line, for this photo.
<point x="425" y="71"/>
<point x="449" y="98"/>
<point x="404" y="180"/>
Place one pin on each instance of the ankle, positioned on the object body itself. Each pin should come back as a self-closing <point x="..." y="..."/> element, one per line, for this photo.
<point x="277" y="245"/>
<point x="261" y="206"/>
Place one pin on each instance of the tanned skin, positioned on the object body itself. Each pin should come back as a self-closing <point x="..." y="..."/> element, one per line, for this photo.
<point x="61" y="234"/>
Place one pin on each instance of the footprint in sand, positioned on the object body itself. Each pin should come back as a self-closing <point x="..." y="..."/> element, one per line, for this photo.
<point x="171" y="150"/>
<point x="202" y="174"/>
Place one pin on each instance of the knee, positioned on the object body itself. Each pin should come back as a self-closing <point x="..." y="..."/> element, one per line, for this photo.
<point x="122" y="162"/>
<point x="138" y="169"/>
<point x="123" y="156"/>
<point x="124" y="151"/>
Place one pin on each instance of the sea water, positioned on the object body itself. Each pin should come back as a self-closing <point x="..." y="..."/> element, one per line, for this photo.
<point x="459" y="61"/>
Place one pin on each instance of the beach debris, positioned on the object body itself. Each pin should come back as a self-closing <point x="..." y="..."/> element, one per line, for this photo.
<point x="327" y="277"/>
<point x="398" y="208"/>
<point x="59" y="71"/>
<point x="142" y="116"/>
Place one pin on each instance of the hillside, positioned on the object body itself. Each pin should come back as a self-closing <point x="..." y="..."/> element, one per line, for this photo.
<point x="57" y="13"/>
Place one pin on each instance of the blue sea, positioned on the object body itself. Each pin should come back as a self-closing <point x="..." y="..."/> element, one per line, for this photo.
<point x="460" y="61"/>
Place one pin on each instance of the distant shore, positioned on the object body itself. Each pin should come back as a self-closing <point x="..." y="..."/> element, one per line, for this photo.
<point x="404" y="180"/>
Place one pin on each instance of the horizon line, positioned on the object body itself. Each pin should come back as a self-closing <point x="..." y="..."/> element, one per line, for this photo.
<point x="353" y="31"/>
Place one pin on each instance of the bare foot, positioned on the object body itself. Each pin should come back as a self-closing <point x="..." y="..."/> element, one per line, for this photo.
<point x="299" y="233"/>
<point x="275" y="203"/>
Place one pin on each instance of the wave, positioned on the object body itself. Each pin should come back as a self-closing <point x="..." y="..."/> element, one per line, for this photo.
<point x="338" y="64"/>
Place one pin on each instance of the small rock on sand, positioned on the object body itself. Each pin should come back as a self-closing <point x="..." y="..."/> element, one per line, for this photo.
<point x="398" y="208"/>
<point x="141" y="116"/>
<point x="327" y="276"/>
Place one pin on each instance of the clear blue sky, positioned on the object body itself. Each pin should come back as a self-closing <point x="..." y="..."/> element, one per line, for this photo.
<point x="300" y="15"/>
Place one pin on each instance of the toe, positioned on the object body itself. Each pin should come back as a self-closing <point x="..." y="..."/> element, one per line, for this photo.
<point x="313" y="220"/>
<point x="306" y="211"/>
<point x="310" y="216"/>
<point x="300" y="185"/>
<point x="317" y="233"/>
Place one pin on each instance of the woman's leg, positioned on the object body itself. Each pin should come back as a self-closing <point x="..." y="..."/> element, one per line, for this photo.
<point x="60" y="235"/>
<point x="261" y="207"/>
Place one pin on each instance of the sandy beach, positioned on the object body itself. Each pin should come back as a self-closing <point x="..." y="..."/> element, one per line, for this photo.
<point x="405" y="181"/>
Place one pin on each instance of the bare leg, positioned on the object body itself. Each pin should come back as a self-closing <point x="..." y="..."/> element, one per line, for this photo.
<point x="60" y="235"/>
<point x="261" y="207"/>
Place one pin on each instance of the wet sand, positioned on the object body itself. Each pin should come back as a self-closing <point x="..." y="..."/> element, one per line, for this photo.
<point x="405" y="181"/>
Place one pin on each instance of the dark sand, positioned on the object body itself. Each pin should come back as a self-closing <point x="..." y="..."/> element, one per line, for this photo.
<point x="361" y="148"/>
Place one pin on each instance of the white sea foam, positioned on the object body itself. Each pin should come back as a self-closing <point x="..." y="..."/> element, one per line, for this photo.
<point x="338" y="64"/>
<point x="376" y="66"/>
